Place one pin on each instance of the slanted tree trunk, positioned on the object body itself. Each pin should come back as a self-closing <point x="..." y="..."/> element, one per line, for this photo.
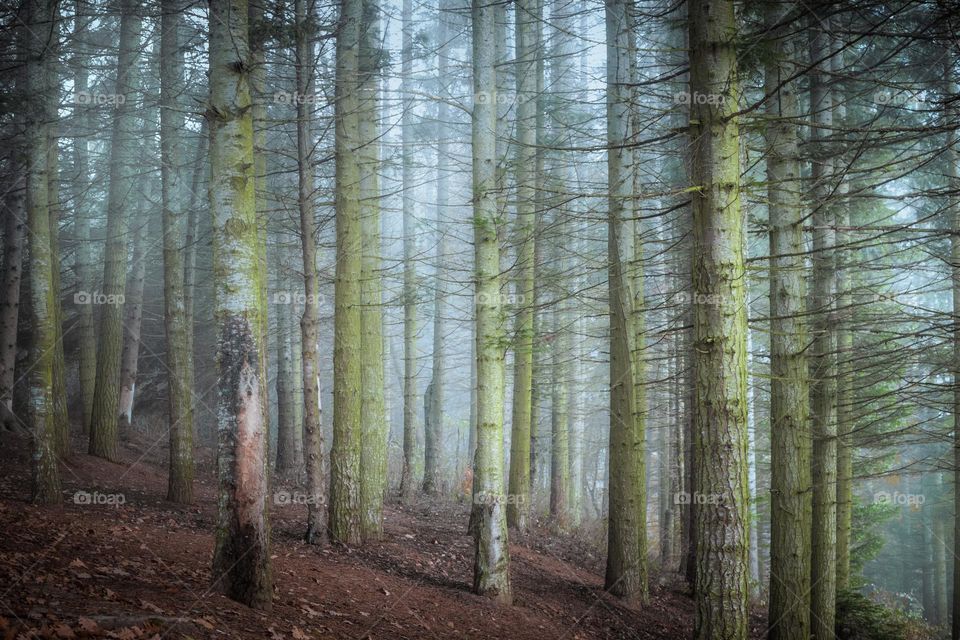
<point x="176" y="322"/>
<point x="40" y="29"/>
<point x="310" y="322"/>
<point x="491" y="567"/>
<point x="241" y="561"/>
<point x="347" y="370"/>
<point x="123" y="183"/>
<point x="626" y="568"/>
<point x="720" y="494"/>
<point x="790" y="481"/>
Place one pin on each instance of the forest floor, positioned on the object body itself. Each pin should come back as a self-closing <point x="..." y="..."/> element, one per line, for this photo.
<point x="141" y="569"/>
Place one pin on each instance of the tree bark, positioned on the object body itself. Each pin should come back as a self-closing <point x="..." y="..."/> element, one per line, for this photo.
<point x="310" y="322"/>
<point x="407" y="476"/>
<point x="123" y="182"/>
<point x="626" y="567"/>
<point x="790" y="482"/>
<point x="133" y="317"/>
<point x="373" y="456"/>
<point x="40" y="29"/>
<point x="347" y="369"/>
<point x="491" y="573"/>
<point x="823" y="383"/>
<point x="84" y="264"/>
<point x="528" y="51"/>
<point x="14" y="232"/>
<point x="720" y="497"/>
<point x="241" y="563"/>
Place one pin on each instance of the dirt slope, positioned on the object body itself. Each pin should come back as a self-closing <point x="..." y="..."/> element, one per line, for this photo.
<point x="141" y="569"/>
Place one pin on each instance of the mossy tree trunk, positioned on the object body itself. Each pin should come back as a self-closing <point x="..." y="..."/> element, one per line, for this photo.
<point x="347" y="365"/>
<point x="491" y="572"/>
<point x="124" y="178"/>
<point x="790" y="482"/>
<point x="528" y="51"/>
<point x="241" y="563"/>
<point x="40" y="29"/>
<point x="373" y="456"/>
<point x="720" y="495"/>
<point x="626" y="567"/>
<point x="823" y="364"/>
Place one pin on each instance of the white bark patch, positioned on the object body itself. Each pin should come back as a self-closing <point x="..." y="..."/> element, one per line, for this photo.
<point x="249" y="460"/>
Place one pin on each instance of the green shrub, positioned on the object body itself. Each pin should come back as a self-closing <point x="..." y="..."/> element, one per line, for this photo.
<point x="860" y="618"/>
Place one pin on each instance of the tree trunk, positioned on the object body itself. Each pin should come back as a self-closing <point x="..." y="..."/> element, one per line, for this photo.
<point x="258" y="29"/>
<point x="528" y="51"/>
<point x="241" y="563"/>
<point x="407" y="476"/>
<point x="491" y="568"/>
<point x="626" y="574"/>
<point x="953" y="183"/>
<point x="373" y="456"/>
<point x="84" y="263"/>
<point x="60" y="418"/>
<point x="310" y="322"/>
<point x="790" y="481"/>
<point x="347" y="369"/>
<point x="845" y="399"/>
<point x="14" y="233"/>
<point x="40" y="28"/>
<point x="287" y="464"/>
<point x="823" y="385"/>
<point x="176" y="322"/>
<point x="132" y="320"/>
<point x="720" y="497"/>
<point x="559" y="434"/>
<point x="123" y="182"/>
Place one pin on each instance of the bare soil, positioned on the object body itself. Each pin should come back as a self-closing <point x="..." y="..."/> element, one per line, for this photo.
<point x="141" y="569"/>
